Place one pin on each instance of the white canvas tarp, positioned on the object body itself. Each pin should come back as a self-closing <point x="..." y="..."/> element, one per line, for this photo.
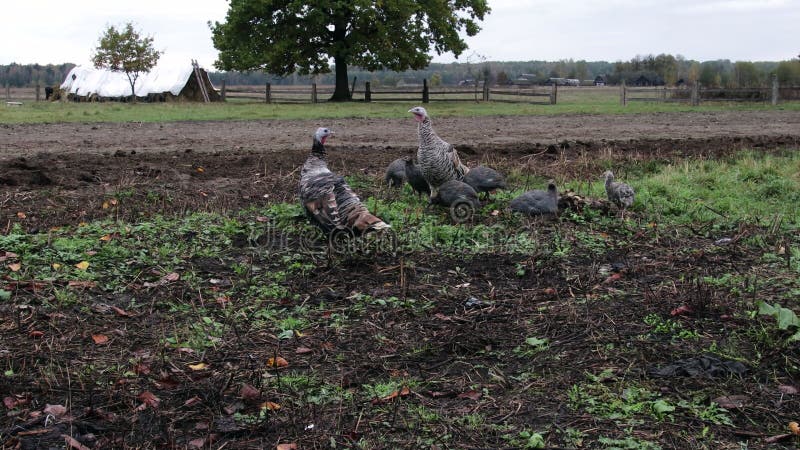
<point x="85" y="81"/>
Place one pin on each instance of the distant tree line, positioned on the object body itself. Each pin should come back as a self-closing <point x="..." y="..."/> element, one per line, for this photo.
<point x="652" y="69"/>
<point x="29" y="75"/>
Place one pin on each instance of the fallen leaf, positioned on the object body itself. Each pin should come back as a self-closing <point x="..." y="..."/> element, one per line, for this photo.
<point x="472" y="395"/>
<point x="141" y="369"/>
<point x="495" y="212"/>
<point x="10" y="402"/>
<point x="192" y="401"/>
<point x="55" y="410"/>
<point x="200" y="170"/>
<point x="303" y="350"/>
<point x="121" y="311"/>
<point x="82" y="284"/>
<point x="786" y="389"/>
<point x="73" y="443"/>
<point x="549" y="291"/>
<point x="291" y="446"/>
<point x="105" y="237"/>
<point x="731" y="401"/>
<point x="612" y="278"/>
<point x="56" y="266"/>
<point x="100" y="339"/>
<point x="277" y="362"/>
<point x="174" y="276"/>
<point x="248" y="392"/>
<point x="105" y="205"/>
<point x="197" y="443"/>
<point x="36" y="333"/>
<point x="15" y="267"/>
<point x="21" y="215"/>
<point x="83" y="265"/>
<point x="149" y="399"/>
<point x="401" y="393"/>
<point x="262" y="219"/>
<point x="198" y="366"/>
<point x="682" y="310"/>
<point x="794" y="427"/>
<point x="272" y="406"/>
<point x="113" y="201"/>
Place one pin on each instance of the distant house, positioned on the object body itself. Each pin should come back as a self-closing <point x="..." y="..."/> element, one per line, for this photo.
<point x="522" y="82"/>
<point x="599" y="80"/>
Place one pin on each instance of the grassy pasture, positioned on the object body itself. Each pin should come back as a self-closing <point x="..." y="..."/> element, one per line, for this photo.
<point x="582" y="100"/>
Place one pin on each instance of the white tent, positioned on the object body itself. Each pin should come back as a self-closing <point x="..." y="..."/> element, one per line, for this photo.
<point x="87" y="81"/>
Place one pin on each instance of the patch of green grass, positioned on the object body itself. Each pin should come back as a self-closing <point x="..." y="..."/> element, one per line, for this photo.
<point x="580" y="101"/>
<point x="749" y="187"/>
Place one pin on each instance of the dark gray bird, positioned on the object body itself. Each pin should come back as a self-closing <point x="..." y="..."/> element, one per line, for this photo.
<point x="396" y="173"/>
<point x="485" y="179"/>
<point x="537" y="202"/>
<point x="415" y="178"/>
<point x="618" y="193"/>
<point x="455" y="191"/>
<point x="326" y="197"/>
<point x="438" y="160"/>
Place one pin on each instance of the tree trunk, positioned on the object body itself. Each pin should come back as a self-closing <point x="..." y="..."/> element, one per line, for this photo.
<point x="342" y="91"/>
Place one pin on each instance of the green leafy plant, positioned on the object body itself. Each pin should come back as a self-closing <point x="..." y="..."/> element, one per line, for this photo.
<point x="787" y="319"/>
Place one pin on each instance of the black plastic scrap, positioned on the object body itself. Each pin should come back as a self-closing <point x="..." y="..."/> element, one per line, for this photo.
<point x="700" y="366"/>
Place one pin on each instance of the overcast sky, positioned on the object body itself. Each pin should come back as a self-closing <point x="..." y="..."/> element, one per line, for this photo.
<point x="48" y="31"/>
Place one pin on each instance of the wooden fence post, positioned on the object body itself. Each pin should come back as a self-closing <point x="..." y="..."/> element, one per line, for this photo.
<point x="313" y="92"/>
<point x="38" y="91"/>
<point x="268" y="98"/>
<point x="485" y="91"/>
<point x="696" y="93"/>
<point x="353" y="89"/>
<point x="623" y="100"/>
<point x="554" y="94"/>
<point x="222" y="91"/>
<point x="425" y="92"/>
<point x="774" y="90"/>
<point x="367" y="92"/>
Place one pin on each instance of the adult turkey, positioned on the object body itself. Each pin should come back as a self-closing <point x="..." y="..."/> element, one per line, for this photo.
<point x="485" y="179"/>
<point x="618" y="193"/>
<point x="396" y="173"/>
<point x="326" y="197"/>
<point x="438" y="160"/>
<point x="537" y="202"/>
<point x="415" y="178"/>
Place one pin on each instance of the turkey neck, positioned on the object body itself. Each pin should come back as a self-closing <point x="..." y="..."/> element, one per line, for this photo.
<point x="426" y="133"/>
<point x="318" y="149"/>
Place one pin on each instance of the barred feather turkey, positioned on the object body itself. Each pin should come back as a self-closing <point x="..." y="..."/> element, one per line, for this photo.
<point x="327" y="199"/>
<point x="438" y="160"/>
<point x="618" y="193"/>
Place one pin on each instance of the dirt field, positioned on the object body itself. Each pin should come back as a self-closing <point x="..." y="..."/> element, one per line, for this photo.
<point x="60" y="173"/>
<point x="477" y="388"/>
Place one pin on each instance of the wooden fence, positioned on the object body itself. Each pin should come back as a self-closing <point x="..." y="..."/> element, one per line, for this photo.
<point x="421" y="94"/>
<point x="697" y="94"/>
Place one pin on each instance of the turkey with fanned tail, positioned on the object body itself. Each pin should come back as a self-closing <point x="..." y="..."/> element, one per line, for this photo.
<point x="438" y="160"/>
<point x="327" y="199"/>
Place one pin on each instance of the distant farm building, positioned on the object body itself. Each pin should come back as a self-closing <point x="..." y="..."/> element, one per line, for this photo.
<point x="185" y="83"/>
<point x="599" y="80"/>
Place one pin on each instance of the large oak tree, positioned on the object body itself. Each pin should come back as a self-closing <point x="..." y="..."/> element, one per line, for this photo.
<point x="284" y="36"/>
